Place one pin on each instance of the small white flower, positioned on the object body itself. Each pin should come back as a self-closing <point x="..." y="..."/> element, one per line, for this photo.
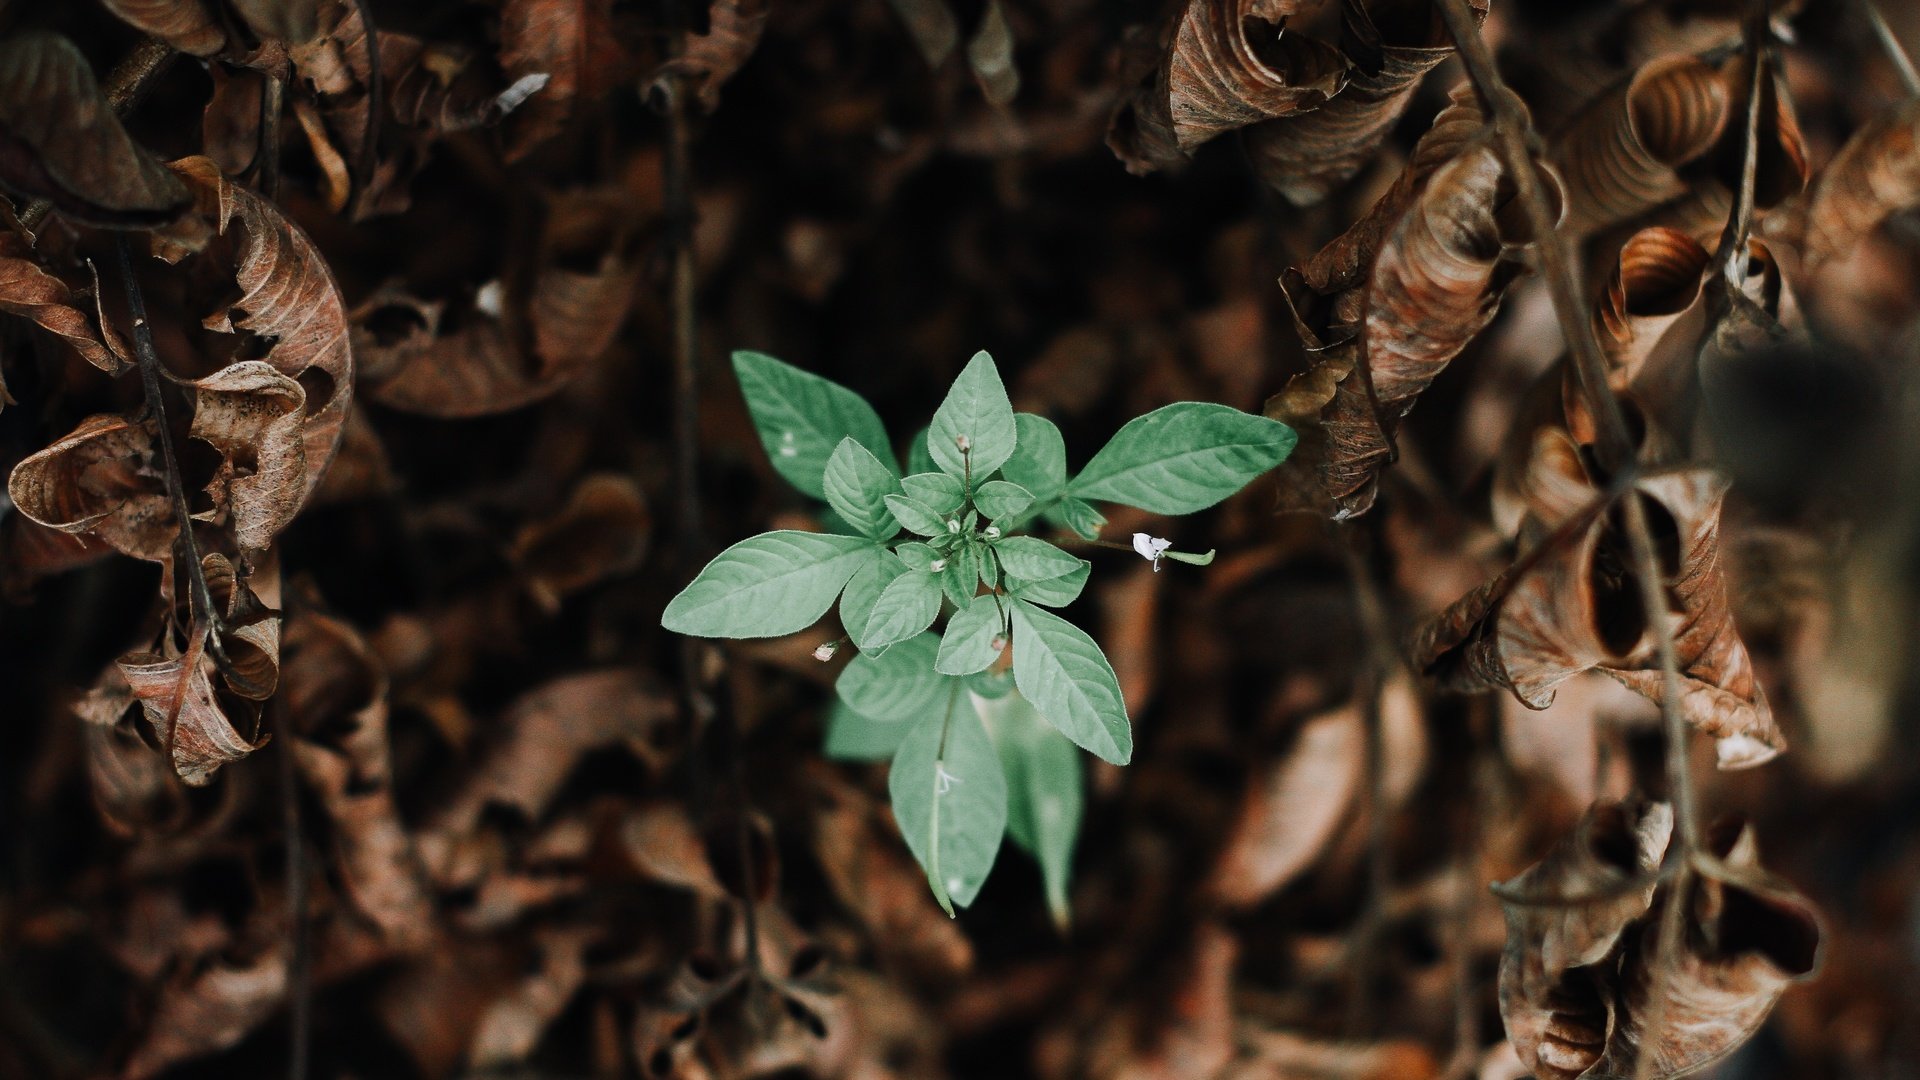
<point x="937" y="565"/>
<point x="953" y="526"/>
<point x="1151" y="548"/>
<point x="993" y="532"/>
<point x="824" y="652"/>
<point x="965" y="444"/>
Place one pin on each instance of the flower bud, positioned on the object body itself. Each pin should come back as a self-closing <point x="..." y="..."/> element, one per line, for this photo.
<point x="937" y="565"/>
<point x="825" y="650"/>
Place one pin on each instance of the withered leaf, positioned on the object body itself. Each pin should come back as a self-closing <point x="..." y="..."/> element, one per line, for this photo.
<point x="132" y="787"/>
<point x="253" y="415"/>
<point x="1747" y="937"/>
<point x="292" y="22"/>
<point x="101" y="480"/>
<point x="511" y="1026"/>
<point x="1621" y="154"/>
<point x="600" y="532"/>
<point x="177" y="694"/>
<point x="208" y="1008"/>
<point x="337" y="697"/>
<point x="1392" y="46"/>
<point x="710" y="59"/>
<point x="187" y="25"/>
<point x="572" y="43"/>
<point x="1874" y="175"/>
<point x="63" y="143"/>
<point x="288" y="298"/>
<point x="31" y="292"/>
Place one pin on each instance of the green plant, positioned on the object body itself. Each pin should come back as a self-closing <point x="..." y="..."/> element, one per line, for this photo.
<point x="963" y="776"/>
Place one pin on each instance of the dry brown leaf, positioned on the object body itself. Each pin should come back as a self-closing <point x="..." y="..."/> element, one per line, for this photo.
<point x="177" y="694"/>
<point x="1392" y="46"/>
<point x="1621" y="154"/>
<point x="660" y="839"/>
<point x="132" y="788"/>
<point x="1266" y="1053"/>
<point x="253" y="415"/>
<point x="1293" y="810"/>
<point x="544" y="734"/>
<point x="288" y="297"/>
<point x="1188" y="1032"/>
<point x="1876" y="174"/>
<point x="336" y="695"/>
<point x="30" y="292"/>
<point x="208" y="1008"/>
<point x="1228" y="65"/>
<point x="601" y="532"/>
<point x="1748" y="937"/>
<point x="572" y="43"/>
<point x="68" y="146"/>
<point x="100" y="480"/>
<point x="878" y="884"/>
<point x="187" y="25"/>
<point x="510" y="1028"/>
<point x="710" y="59"/>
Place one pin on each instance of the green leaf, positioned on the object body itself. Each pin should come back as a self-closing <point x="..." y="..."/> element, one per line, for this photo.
<point x="898" y="686"/>
<point x="1039" y="461"/>
<point x="916" y="555"/>
<point x="767" y="585"/>
<point x="917" y="516"/>
<point x="950" y="800"/>
<point x="857" y="485"/>
<point x="990" y="684"/>
<point x="853" y="737"/>
<point x="999" y="500"/>
<point x="961" y="575"/>
<point x="1054" y="592"/>
<point x="918" y="460"/>
<point x="989" y="569"/>
<point x="801" y="417"/>
<point x="1080" y="516"/>
<point x="1030" y="558"/>
<point x="908" y="605"/>
<point x="1066" y="676"/>
<point x="967" y="646"/>
<point x="1184" y="457"/>
<point x="864" y="588"/>
<point x="977" y="410"/>
<point x="939" y="491"/>
<point x="1045" y="791"/>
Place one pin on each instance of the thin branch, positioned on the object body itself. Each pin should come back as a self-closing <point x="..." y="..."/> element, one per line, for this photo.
<point x="299" y="964"/>
<point x="1733" y="239"/>
<point x="1902" y="63"/>
<point x="1514" y="133"/>
<point x="273" y="101"/>
<point x="376" y="108"/>
<point x="125" y="85"/>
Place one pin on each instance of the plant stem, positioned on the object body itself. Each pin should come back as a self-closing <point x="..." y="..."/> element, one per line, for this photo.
<point x="299" y="966"/>
<point x="273" y="100"/>
<point x="1733" y="239"/>
<point x="124" y="87"/>
<point x="1902" y="63"/>
<point x="1514" y="133"/>
<point x="376" y="107"/>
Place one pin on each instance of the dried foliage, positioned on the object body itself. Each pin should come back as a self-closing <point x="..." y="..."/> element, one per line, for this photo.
<point x="339" y="525"/>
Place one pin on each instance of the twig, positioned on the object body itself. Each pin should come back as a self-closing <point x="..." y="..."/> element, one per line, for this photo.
<point x="1514" y="133"/>
<point x="1466" y="1010"/>
<point x="186" y="550"/>
<point x="125" y="86"/>
<point x="376" y="106"/>
<point x="1379" y="671"/>
<point x="1616" y="449"/>
<point x="299" y="964"/>
<point x="273" y="100"/>
<point x="1902" y="63"/>
<point x="1733" y="239"/>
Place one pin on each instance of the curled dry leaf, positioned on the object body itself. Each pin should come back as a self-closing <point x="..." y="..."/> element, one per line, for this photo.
<point x="661" y="841"/>
<point x="1621" y="154"/>
<point x="572" y="43"/>
<point x="602" y="531"/>
<point x="1748" y="936"/>
<point x="545" y="732"/>
<point x="1392" y="46"/>
<point x="253" y="415"/>
<point x="177" y="693"/>
<point x="336" y="695"/>
<point x="207" y="1008"/>
<point x="100" y="480"/>
<point x="1565" y="916"/>
<point x="1228" y="65"/>
<point x="1293" y="810"/>
<point x="710" y="59"/>
<point x="252" y="624"/>
<point x="187" y="25"/>
<point x="1876" y="174"/>
<point x="1570" y="605"/>
<point x="510" y="1027"/>
<point x="32" y="293"/>
<point x="131" y="786"/>
<point x="67" y="145"/>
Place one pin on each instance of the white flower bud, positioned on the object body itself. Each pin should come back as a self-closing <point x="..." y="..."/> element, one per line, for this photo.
<point x="953" y="526"/>
<point x="965" y="444"/>
<point x="937" y="565"/>
<point x="824" y="652"/>
<point x="993" y="532"/>
<point x="1151" y="548"/>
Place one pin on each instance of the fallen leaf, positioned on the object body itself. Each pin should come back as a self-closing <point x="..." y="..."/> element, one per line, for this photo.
<point x="1621" y="154"/>
<point x="30" y="292"/>
<point x="708" y="60"/>
<point x="100" y="480"/>
<point x="187" y="25"/>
